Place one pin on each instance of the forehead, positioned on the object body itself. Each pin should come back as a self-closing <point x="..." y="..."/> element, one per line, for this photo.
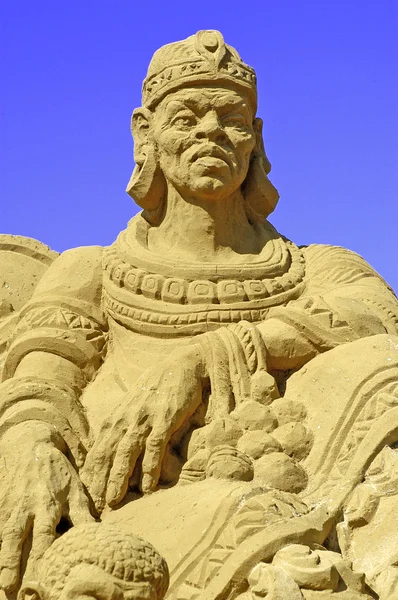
<point x="204" y="98"/>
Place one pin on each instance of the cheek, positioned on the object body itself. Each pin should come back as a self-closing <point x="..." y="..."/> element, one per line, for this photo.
<point x="244" y="144"/>
<point x="241" y="137"/>
<point x="172" y="142"/>
<point x="245" y="140"/>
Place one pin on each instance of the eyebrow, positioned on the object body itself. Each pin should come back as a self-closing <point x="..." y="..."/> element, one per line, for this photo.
<point x="192" y="104"/>
<point x="226" y="102"/>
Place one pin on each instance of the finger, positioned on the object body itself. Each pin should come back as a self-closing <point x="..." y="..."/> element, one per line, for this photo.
<point x="79" y="505"/>
<point x="126" y="457"/>
<point x="96" y="461"/>
<point x="97" y="490"/>
<point x="155" y="449"/>
<point x="44" y="529"/>
<point x="77" y="451"/>
<point x="105" y="443"/>
<point x="14" y="534"/>
<point x="96" y="470"/>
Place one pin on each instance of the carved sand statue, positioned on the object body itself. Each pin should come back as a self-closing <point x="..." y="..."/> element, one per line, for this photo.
<point x="99" y="561"/>
<point x="252" y="385"/>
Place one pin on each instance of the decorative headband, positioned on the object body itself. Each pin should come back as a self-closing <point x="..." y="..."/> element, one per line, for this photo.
<point x="201" y="58"/>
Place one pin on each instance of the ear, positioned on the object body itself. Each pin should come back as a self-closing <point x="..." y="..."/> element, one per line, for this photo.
<point x="140" y="124"/>
<point x="31" y="590"/>
<point x="147" y="185"/>
<point x="260" y="195"/>
<point x="259" y="147"/>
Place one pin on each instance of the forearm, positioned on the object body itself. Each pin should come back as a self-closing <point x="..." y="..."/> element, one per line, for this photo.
<point x="31" y="433"/>
<point x="294" y="334"/>
<point x="52" y="367"/>
<point x="56" y="351"/>
<point x="287" y="347"/>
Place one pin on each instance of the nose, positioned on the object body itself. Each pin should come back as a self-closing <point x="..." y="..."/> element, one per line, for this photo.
<point x="209" y="127"/>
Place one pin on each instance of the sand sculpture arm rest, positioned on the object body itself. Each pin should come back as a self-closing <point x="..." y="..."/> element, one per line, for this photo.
<point x="345" y="300"/>
<point x="57" y="345"/>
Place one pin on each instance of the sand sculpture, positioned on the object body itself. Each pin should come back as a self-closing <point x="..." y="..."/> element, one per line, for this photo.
<point x="203" y="383"/>
<point x="99" y="561"/>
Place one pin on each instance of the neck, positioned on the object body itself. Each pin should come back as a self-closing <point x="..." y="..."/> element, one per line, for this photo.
<point x="206" y="230"/>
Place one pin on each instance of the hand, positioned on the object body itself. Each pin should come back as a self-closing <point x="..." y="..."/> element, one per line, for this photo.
<point x="39" y="486"/>
<point x="287" y="347"/>
<point x="163" y="399"/>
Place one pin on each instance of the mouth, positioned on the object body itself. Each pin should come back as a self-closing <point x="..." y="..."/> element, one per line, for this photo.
<point x="211" y="162"/>
<point x="211" y="156"/>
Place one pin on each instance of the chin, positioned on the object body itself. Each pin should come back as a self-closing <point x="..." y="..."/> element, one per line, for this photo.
<point x="213" y="187"/>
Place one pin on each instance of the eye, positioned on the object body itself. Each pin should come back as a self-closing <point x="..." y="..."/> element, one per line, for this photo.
<point x="234" y="120"/>
<point x="183" y="121"/>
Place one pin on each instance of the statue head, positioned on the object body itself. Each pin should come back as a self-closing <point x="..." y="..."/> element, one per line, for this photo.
<point x="98" y="561"/>
<point x="197" y="129"/>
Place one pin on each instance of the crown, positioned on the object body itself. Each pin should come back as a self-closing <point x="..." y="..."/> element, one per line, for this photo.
<point x="201" y="58"/>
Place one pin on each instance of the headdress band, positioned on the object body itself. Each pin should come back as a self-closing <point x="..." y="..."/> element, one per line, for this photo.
<point x="201" y="58"/>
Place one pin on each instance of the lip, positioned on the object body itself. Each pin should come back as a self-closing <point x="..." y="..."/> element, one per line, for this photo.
<point x="211" y="161"/>
<point x="211" y="155"/>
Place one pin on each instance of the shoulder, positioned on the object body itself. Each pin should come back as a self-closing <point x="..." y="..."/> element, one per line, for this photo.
<point x="88" y="256"/>
<point x="325" y="252"/>
<point x="75" y="273"/>
<point x="332" y="266"/>
<point x="321" y="257"/>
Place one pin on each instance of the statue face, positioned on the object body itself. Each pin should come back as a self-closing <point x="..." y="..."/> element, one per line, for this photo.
<point x="204" y="138"/>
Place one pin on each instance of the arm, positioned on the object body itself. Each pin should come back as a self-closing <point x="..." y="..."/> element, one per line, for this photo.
<point x="57" y="347"/>
<point x="345" y="300"/>
<point x="58" y="344"/>
<point x="233" y="363"/>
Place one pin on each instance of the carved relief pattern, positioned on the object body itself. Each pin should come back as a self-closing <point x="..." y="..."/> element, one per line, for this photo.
<point x="80" y="339"/>
<point x="200" y="67"/>
<point x="372" y="401"/>
<point x="53" y="316"/>
<point x="237" y="300"/>
<point x="257" y="511"/>
<point x="180" y="291"/>
<point x="382" y="401"/>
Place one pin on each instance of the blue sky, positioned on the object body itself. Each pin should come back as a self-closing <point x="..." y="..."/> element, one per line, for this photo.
<point x="71" y="73"/>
